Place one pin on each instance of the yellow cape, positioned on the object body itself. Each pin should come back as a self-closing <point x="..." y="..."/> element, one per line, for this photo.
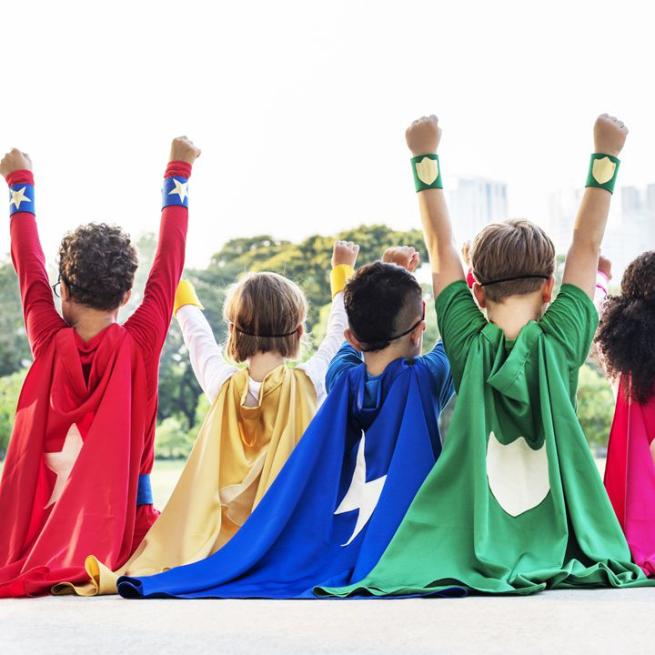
<point x="237" y="455"/>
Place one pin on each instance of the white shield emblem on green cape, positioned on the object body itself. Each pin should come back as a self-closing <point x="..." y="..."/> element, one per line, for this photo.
<point x="518" y="474"/>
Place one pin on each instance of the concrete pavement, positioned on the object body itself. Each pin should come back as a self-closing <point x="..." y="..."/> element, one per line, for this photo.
<point x="556" y="622"/>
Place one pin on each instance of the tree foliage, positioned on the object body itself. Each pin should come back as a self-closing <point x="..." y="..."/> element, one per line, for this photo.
<point x="14" y="349"/>
<point x="182" y="407"/>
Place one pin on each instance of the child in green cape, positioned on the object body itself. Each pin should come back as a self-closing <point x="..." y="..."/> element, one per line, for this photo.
<point x="515" y="504"/>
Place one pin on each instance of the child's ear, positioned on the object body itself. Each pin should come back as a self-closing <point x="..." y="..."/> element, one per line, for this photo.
<point x="352" y="340"/>
<point x="126" y="297"/>
<point x="300" y="331"/>
<point x="547" y="290"/>
<point x="64" y="292"/>
<point x="417" y="332"/>
<point x="478" y="292"/>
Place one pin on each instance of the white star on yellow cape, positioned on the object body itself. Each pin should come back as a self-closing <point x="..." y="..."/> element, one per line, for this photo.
<point x="62" y="463"/>
<point x="18" y="196"/>
<point x="181" y="189"/>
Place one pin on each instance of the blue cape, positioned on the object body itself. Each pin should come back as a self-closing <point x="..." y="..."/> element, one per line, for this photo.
<point x="335" y="505"/>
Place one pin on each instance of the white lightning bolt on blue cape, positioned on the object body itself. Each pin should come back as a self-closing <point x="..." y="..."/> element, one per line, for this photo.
<point x="336" y="504"/>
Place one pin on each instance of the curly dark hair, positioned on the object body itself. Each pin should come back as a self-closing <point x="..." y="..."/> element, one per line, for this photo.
<point x="382" y="300"/>
<point x="626" y="336"/>
<point x="97" y="263"/>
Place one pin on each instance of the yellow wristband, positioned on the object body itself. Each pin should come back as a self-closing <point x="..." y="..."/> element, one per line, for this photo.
<point x="339" y="277"/>
<point x="185" y="295"/>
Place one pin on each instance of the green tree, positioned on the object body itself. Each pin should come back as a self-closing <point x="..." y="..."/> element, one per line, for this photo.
<point x="10" y="386"/>
<point x="172" y="441"/>
<point x="14" y="349"/>
<point x="595" y="405"/>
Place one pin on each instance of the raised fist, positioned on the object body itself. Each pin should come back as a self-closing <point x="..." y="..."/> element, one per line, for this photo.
<point x="15" y="160"/>
<point x="609" y="135"/>
<point x="605" y="266"/>
<point x="345" y="252"/>
<point x="182" y="149"/>
<point x="466" y="253"/>
<point x="404" y="256"/>
<point x="423" y="135"/>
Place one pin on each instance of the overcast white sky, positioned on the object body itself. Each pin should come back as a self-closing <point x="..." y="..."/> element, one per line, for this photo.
<point x="300" y="107"/>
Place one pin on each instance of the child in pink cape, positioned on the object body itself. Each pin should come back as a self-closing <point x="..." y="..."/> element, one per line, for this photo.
<point x="626" y="339"/>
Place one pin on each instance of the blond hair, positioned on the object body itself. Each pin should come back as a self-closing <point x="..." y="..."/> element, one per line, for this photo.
<point x="512" y="249"/>
<point x="266" y="311"/>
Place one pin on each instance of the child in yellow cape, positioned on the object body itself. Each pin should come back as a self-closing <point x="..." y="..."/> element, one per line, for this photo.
<point x="257" y="416"/>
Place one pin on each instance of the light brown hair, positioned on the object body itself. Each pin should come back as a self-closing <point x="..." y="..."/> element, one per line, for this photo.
<point x="260" y="306"/>
<point x="511" y="249"/>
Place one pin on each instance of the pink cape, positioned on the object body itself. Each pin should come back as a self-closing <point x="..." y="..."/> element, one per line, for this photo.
<point x="630" y="475"/>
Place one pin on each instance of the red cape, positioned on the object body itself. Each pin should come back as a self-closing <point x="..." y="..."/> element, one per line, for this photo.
<point x="630" y="475"/>
<point x="96" y="512"/>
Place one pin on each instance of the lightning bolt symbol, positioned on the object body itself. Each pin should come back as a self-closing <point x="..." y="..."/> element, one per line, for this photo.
<point x="361" y="495"/>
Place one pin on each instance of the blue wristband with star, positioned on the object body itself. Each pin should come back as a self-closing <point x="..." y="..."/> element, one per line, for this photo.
<point x="175" y="192"/>
<point x="21" y="198"/>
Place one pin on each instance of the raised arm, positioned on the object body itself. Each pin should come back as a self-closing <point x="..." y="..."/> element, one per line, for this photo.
<point x="344" y="256"/>
<point x="41" y="317"/>
<point x="603" y="277"/>
<point x="423" y="137"/>
<point x="210" y="367"/>
<point x="582" y="259"/>
<point x="149" y="323"/>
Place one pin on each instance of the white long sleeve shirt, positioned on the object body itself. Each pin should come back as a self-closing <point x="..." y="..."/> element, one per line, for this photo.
<point x="212" y="370"/>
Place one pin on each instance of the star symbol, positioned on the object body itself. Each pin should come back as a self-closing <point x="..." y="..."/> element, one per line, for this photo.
<point x="62" y="463"/>
<point x="181" y="189"/>
<point x="361" y="495"/>
<point x="18" y="196"/>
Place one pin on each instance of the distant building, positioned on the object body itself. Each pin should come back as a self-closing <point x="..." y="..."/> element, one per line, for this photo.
<point x="562" y="206"/>
<point x="650" y="198"/>
<point x="630" y="200"/>
<point x="630" y="230"/>
<point x="474" y="202"/>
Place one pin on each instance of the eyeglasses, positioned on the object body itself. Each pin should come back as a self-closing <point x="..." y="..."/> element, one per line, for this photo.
<point x="56" y="286"/>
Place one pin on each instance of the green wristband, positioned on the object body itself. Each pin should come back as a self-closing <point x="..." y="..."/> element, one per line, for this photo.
<point x="427" y="172"/>
<point x="602" y="171"/>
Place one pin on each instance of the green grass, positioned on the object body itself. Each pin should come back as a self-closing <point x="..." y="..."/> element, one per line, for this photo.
<point x="164" y="477"/>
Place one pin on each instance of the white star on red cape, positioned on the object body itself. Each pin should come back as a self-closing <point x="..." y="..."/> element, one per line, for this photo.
<point x="62" y="463"/>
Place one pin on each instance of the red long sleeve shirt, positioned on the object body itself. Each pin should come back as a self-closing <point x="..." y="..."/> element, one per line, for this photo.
<point x="149" y="324"/>
<point x="102" y="391"/>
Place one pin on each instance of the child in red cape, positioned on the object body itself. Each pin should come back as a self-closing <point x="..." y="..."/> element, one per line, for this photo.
<point x="76" y="477"/>
<point x="626" y="339"/>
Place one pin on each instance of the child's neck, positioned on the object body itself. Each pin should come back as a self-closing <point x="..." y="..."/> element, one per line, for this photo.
<point x="90" y="323"/>
<point x="261" y="364"/>
<point x="515" y="312"/>
<point x="377" y="361"/>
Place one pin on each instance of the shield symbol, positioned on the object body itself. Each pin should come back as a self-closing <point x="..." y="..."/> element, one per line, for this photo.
<point x="427" y="170"/>
<point x="518" y="475"/>
<point x="603" y="170"/>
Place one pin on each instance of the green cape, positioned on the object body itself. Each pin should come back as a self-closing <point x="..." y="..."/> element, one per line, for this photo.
<point x="515" y="504"/>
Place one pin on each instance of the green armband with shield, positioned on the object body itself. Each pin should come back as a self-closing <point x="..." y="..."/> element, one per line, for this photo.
<point x="603" y="170"/>
<point x="427" y="172"/>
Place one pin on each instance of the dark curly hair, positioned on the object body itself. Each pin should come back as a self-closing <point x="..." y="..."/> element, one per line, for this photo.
<point x="97" y="263"/>
<point x="626" y="336"/>
<point x="382" y="300"/>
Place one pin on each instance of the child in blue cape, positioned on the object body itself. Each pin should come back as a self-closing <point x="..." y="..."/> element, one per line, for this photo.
<point x="336" y="504"/>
